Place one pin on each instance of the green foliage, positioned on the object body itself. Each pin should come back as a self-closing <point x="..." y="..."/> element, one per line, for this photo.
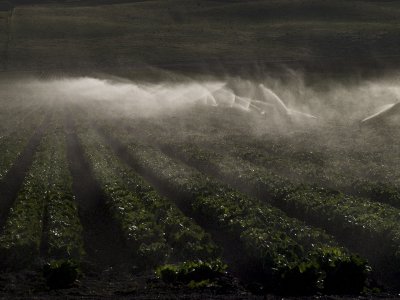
<point x="64" y="228"/>
<point x="194" y="274"/>
<point x="377" y="191"/>
<point x="200" y="284"/>
<point x="14" y="133"/>
<point x="328" y="270"/>
<point x="154" y="227"/>
<point x="343" y="274"/>
<point x="20" y="241"/>
<point x="306" y="167"/>
<point x="357" y="221"/>
<point x="47" y="187"/>
<point x="137" y="224"/>
<point x="279" y="252"/>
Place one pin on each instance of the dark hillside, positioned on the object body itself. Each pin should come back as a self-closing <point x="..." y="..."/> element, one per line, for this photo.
<point x="205" y="37"/>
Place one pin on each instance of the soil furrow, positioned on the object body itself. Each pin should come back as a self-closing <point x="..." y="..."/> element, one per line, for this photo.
<point x="103" y="240"/>
<point x="12" y="182"/>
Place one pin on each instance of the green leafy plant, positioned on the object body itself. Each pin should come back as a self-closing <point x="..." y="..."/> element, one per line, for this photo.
<point x="154" y="227"/>
<point x="344" y="274"/>
<point x="195" y="274"/>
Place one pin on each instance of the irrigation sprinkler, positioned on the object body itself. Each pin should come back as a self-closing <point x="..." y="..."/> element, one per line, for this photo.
<point x="383" y="114"/>
<point x="269" y="104"/>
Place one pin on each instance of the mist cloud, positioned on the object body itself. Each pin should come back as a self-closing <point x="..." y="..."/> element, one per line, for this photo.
<point x="337" y="103"/>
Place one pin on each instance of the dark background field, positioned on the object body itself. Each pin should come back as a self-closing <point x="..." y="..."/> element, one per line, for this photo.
<point x="248" y="38"/>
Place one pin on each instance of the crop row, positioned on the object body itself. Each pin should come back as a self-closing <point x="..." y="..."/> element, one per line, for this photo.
<point x="16" y="112"/>
<point x="44" y="215"/>
<point x="155" y="229"/>
<point x="11" y="145"/>
<point x="356" y="221"/>
<point x="64" y="235"/>
<point x="329" y="172"/>
<point x="284" y="250"/>
<point x="366" y="169"/>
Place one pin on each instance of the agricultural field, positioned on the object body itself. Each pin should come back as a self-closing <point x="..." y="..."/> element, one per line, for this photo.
<point x="105" y="181"/>
<point x="199" y="149"/>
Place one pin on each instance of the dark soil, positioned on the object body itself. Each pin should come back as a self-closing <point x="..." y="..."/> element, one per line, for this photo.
<point x="112" y="284"/>
<point x="103" y="240"/>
